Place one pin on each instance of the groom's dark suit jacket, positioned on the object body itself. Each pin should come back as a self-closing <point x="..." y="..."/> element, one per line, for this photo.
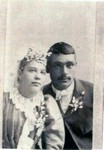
<point x="78" y="125"/>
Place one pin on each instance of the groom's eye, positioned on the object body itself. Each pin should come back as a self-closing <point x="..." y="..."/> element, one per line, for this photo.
<point x="57" y="65"/>
<point x="70" y="65"/>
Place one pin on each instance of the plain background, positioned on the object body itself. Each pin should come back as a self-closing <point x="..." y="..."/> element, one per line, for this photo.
<point x="40" y="24"/>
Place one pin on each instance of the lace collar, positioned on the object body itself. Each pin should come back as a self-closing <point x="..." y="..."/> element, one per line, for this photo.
<point x="25" y="104"/>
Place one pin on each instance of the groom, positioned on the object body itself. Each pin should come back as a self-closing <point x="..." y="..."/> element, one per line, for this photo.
<point x="74" y="97"/>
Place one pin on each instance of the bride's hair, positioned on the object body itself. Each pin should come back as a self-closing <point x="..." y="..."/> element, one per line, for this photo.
<point x="31" y="55"/>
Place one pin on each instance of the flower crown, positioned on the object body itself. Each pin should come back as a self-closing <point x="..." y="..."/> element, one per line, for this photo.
<point x="32" y="55"/>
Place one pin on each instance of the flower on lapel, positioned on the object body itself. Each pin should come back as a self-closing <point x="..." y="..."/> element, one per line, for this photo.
<point x="77" y="102"/>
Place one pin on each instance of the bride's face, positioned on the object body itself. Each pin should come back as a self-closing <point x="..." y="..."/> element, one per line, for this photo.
<point x="33" y="76"/>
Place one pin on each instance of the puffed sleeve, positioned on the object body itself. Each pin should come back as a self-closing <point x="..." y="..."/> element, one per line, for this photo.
<point x="13" y="121"/>
<point x="54" y="134"/>
<point x="8" y="122"/>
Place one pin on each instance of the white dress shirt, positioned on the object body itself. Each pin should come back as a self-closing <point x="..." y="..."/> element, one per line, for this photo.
<point x="64" y="96"/>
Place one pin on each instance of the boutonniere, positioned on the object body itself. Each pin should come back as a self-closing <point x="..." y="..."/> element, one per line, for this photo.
<point x="77" y="102"/>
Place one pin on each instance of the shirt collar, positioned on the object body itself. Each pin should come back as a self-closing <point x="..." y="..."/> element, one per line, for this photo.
<point x="69" y="90"/>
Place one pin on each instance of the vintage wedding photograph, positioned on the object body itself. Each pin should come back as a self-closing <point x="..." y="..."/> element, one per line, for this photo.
<point x="52" y="76"/>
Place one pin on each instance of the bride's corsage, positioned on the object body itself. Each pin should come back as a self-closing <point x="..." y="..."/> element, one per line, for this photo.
<point x="33" y="128"/>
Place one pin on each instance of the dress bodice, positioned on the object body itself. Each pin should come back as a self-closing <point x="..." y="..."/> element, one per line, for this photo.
<point x="17" y="110"/>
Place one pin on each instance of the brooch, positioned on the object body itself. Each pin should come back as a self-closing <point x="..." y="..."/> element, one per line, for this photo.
<point x="77" y="102"/>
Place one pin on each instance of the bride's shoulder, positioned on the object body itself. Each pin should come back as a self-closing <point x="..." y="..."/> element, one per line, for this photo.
<point x="6" y="97"/>
<point x="52" y="108"/>
<point x="9" y="96"/>
<point x="48" y="97"/>
<point x="50" y="100"/>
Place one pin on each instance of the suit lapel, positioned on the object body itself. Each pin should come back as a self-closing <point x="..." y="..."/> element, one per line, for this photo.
<point x="81" y="119"/>
<point x="78" y="89"/>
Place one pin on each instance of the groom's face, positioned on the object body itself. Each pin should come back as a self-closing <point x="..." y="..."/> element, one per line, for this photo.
<point x="62" y="70"/>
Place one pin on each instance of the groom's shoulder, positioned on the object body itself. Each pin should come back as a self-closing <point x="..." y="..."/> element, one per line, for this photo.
<point x="86" y="84"/>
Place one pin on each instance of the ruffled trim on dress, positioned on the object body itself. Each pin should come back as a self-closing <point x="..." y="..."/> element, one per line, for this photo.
<point x="25" y="104"/>
<point x="28" y="106"/>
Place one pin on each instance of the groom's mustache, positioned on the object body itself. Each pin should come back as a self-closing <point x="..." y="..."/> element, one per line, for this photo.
<point x="64" y="78"/>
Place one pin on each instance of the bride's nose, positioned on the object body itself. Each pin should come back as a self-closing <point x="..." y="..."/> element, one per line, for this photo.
<point x="37" y="76"/>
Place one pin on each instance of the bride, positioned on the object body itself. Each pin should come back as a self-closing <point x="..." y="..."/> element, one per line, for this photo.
<point x="29" y="117"/>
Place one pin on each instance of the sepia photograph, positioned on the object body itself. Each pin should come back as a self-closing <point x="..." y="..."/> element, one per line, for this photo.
<point x="52" y="80"/>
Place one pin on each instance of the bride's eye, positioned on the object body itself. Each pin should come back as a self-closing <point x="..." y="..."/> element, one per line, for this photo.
<point x="32" y="70"/>
<point x="43" y="72"/>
